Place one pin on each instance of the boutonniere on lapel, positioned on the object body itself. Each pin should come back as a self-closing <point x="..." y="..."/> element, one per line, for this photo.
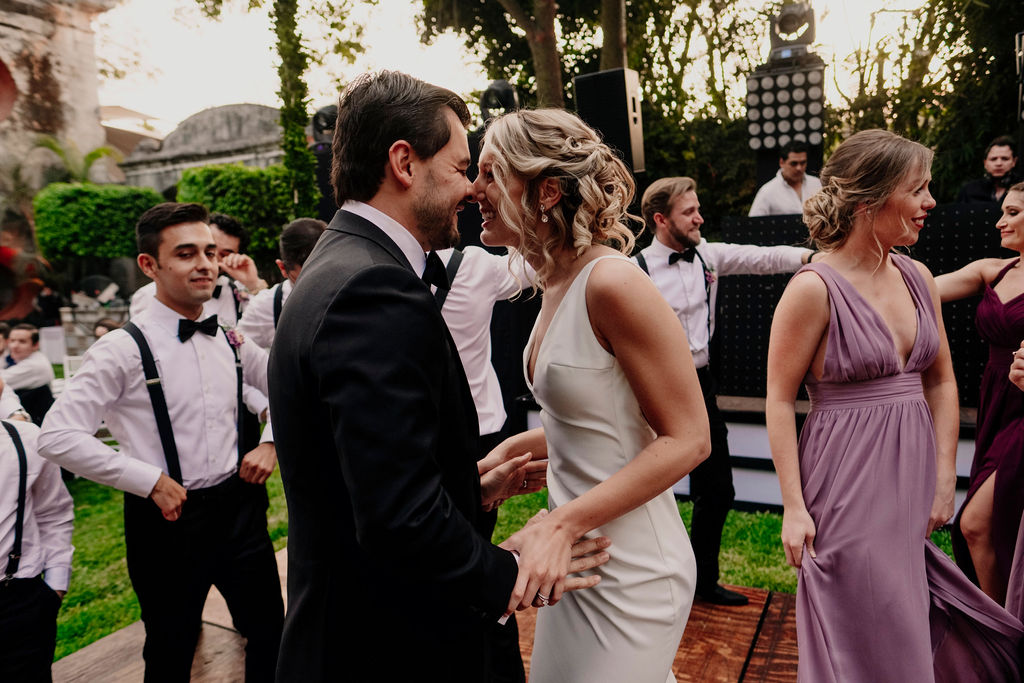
<point x="235" y="337"/>
<point x="709" y="276"/>
<point x="241" y="295"/>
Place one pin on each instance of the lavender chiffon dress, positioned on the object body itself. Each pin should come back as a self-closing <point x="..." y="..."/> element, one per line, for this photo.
<point x="880" y="602"/>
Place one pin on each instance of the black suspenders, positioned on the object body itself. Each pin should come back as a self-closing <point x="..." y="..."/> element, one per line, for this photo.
<point x="14" y="558"/>
<point x="278" y="303"/>
<point x="156" y="396"/>
<point x="642" y="262"/>
<point x="453" y="267"/>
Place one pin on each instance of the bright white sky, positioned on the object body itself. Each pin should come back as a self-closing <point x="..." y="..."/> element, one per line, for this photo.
<point x="189" y="63"/>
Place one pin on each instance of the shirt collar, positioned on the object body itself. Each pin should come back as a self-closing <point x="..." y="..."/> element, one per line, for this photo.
<point x="659" y="248"/>
<point x="159" y="314"/>
<point x="409" y="245"/>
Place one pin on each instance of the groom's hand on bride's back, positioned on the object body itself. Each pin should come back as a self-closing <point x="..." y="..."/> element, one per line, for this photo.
<point x="547" y="554"/>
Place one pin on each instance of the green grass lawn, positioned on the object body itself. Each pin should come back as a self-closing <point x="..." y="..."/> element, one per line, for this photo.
<point x="101" y="600"/>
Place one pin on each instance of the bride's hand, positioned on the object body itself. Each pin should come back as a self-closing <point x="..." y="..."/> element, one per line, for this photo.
<point x="544" y="549"/>
<point x="798" y="530"/>
<point x="512" y="478"/>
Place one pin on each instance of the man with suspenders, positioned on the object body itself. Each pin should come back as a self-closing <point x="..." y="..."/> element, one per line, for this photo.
<point x="169" y="386"/>
<point x="685" y="268"/>
<point x="36" y="514"/>
<point x="259" y="320"/>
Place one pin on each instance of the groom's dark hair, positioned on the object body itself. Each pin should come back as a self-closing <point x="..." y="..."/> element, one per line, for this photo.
<point x="375" y="111"/>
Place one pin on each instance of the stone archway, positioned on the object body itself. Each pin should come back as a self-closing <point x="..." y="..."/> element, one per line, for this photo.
<point x="8" y="91"/>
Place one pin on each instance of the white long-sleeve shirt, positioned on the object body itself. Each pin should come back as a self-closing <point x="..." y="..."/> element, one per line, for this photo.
<point x="199" y="384"/>
<point x="32" y="372"/>
<point x="223" y="306"/>
<point x="257" y="322"/>
<point x="49" y="512"/>
<point x="482" y="280"/>
<point x="683" y="284"/>
<point x="777" y="197"/>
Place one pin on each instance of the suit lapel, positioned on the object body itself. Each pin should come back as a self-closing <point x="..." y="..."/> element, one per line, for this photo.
<point x="351" y="224"/>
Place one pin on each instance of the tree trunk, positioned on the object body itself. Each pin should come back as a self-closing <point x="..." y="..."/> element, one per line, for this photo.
<point x="613" y="26"/>
<point x="546" y="59"/>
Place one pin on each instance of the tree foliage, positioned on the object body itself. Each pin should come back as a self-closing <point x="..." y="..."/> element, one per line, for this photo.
<point x="261" y="198"/>
<point x="79" y="219"/>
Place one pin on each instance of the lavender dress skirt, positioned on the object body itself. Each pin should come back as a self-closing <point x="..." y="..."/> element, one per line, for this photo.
<point x="880" y="602"/>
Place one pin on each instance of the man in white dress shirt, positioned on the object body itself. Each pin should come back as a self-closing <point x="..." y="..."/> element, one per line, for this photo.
<point x="35" y="560"/>
<point x="28" y="372"/>
<point x="259" y="321"/>
<point x="791" y="186"/>
<point x="195" y="508"/>
<point x="685" y="268"/>
<point x="237" y="282"/>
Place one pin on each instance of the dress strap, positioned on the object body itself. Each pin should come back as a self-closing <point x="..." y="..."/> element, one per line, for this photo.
<point x="1003" y="272"/>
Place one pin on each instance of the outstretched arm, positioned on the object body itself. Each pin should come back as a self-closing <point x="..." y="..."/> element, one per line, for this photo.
<point x="798" y="328"/>
<point x="969" y="280"/>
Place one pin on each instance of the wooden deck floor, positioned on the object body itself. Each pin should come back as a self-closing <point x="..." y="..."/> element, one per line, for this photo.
<point x="752" y="644"/>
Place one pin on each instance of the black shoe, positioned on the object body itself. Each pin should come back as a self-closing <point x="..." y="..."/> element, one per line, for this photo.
<point x="722" y="596"/>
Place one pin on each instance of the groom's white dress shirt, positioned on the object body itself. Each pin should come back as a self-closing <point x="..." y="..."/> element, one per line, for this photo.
<point x="199" y="383"/>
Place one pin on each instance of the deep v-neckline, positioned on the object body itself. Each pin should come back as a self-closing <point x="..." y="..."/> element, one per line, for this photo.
<point x="901" y="363"/>
<point x="533" y="341"/>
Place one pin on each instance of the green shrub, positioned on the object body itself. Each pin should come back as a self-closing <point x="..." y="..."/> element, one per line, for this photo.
<point x="260" y="198"/>
<point x="83" y="219"/>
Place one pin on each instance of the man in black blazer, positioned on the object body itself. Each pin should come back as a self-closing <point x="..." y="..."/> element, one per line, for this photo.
<point x="374" y="421"/>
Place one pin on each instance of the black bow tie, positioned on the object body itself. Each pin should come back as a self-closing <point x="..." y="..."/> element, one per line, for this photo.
<point x="686" y="254"/>
<point x="435" y="272"/>
<point x="216" y="291"/>
<point x="186" y="328"/>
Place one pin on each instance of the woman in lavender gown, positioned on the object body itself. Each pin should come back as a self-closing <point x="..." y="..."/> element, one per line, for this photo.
<point x="985" y="531"/>
<point x="873" y="471"/>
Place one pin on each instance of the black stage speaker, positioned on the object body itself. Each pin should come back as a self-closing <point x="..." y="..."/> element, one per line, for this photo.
<point x="610" y="102"/>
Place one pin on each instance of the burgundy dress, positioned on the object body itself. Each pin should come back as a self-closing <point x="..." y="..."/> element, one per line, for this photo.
<point x="880" y="602"/>
<point x="999" y="443"/>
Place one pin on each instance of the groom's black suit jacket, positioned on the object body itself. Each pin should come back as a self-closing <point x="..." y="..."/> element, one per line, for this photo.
<point x="376" y="436"/>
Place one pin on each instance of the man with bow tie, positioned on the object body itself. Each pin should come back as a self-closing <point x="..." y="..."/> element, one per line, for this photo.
<point x="169" y="386"/>
<point x="685" y="268"/>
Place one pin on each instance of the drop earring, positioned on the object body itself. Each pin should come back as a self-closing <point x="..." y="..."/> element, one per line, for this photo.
<point x="543" y="215"/>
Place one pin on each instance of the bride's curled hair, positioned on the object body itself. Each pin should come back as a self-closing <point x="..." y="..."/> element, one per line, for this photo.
<point x="596" y="186"/>
<point x="862" y="173"/>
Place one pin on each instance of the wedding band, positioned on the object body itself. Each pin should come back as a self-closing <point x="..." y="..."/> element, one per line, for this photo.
<point x="544" y="600"/>
<point x="524" y="483"/>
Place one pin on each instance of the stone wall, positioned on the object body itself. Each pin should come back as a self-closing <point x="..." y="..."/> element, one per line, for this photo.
<point x="248" y="134"/>
<point x="48" y="78"/>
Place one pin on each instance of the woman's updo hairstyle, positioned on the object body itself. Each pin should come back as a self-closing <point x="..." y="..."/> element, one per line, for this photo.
<point x="863" y="172"/>
<point x="597" y="188"/>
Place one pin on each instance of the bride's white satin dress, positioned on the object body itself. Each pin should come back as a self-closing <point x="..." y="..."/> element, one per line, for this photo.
<point x="627" y="628"/>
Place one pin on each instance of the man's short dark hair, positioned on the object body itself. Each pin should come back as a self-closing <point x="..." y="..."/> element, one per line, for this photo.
<point x="298" y="239"/>
<point x="231" y="226"/>
<point x="1002" y="141"/>
<point x="795" y="147"/>
<point x="28" y="328"/>
<point x="5" y="330"/>
<point x="375" y="111"/>
<point x="166" y="215"/>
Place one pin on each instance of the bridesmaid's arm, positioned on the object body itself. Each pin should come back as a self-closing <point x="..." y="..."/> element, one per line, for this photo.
<point x="796" y="344"/>
<point x="940" y="392"/>
<point x="969" y="280"/>
<point x="632" y="320"/>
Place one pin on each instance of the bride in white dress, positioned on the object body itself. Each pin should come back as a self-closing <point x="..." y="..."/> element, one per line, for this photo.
<point x="623" y="415"/>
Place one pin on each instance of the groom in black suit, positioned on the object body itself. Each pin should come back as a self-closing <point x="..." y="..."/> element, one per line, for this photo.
<point x="374" y="421"/>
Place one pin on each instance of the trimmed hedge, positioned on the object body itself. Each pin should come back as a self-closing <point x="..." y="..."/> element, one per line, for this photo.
<point x="261" y="198"/>
<point x="83" y="219"/>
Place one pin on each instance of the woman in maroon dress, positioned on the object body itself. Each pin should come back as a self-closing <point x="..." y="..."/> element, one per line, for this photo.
<point x="986" y="528"/>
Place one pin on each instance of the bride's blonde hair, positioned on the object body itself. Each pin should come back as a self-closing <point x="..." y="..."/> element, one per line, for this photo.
<point x="597" y="188"/>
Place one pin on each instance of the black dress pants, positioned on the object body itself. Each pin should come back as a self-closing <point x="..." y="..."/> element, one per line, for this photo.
<point x="711" y="490"/>
<point x="220" y="539"/>
<point x="28" y="630"/>
<point x="504" y="660"/>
